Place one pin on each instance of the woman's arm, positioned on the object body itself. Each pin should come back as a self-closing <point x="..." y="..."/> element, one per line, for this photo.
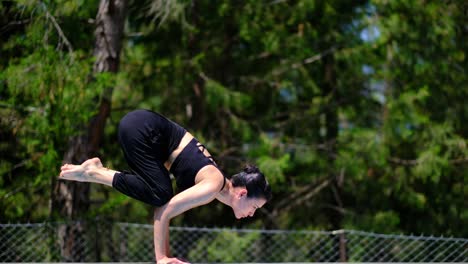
<point x="199" y="194"/>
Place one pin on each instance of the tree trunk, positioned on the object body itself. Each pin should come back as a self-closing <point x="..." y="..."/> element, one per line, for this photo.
<point x="71" y="199"/>
<point x="196" y="106"/>
<point x="332" y="122"/>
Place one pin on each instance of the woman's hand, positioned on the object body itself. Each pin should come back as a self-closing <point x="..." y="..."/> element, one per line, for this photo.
<point x="199" y="194"/>
<point x="167" y="260"/>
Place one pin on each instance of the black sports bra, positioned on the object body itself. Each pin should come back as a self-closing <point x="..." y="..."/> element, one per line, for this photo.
<point x="189" y="161"/>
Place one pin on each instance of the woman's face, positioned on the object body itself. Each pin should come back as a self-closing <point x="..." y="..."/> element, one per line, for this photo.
<point x="243" y="206"/>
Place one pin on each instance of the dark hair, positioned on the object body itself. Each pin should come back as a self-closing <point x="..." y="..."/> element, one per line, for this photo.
<point x="254" y="181"/>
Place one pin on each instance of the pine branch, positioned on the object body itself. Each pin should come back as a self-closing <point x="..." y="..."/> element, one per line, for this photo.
<point x="59" y="30"/>
<point x="414" y="162"/>
<point x="306" y="61"/>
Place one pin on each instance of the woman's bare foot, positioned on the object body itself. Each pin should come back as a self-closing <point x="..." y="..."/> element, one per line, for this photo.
<point x="80" y="172"/>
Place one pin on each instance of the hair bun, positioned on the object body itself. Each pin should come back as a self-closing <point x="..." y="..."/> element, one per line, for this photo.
<point x="254" y="181"/>
<point x="249" y="168"/>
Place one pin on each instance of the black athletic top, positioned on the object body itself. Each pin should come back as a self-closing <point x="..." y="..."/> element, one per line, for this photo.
<point x="147" y="140"/>
<point x="187" y="164"/>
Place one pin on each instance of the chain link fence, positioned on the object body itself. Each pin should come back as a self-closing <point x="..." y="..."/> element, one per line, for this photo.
<point x="101" y="241"/>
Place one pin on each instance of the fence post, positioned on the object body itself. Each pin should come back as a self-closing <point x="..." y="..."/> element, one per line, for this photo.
<point x="343" y="255"/>
<point x="340" y="237"/>
<point x="97" y="239"/>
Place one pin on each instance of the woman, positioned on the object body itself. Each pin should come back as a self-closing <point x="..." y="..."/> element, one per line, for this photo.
<point x="154" y="146"/>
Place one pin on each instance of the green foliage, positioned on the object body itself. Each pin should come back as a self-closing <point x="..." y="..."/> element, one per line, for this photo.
<point x="45" y="93"/>
<point x="380" y="222"/>
<point x="219" y="97"/>
<point x="419" y="128"/>
<point x="404" y="118"/>
<point x="271" y="159"/>
<point x="369" y="92"/>
<point x="226" y="246"/>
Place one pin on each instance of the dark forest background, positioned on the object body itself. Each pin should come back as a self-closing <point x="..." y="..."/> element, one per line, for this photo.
<point x="356" y="111"/>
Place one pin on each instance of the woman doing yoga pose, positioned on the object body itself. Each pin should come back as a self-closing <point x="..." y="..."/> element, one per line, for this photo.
<point x="154" y="147"/>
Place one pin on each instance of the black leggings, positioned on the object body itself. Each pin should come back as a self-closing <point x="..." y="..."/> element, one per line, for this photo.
<point x="147" y="139"/>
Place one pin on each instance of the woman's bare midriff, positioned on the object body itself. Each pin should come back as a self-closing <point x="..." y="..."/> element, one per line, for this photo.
<point x="183" y="143"/>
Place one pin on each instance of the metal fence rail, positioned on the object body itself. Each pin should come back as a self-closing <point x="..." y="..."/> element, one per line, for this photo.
<point x="101" y="241"/>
